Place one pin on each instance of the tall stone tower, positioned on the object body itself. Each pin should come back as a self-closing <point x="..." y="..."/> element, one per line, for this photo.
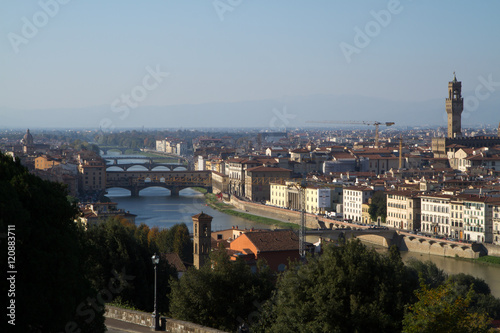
<point x="454" y="108"/>
<point x="202" y="238"/>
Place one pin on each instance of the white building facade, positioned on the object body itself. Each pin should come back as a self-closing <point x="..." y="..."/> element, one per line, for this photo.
<point x="480" y="215"/>
<point x="435" y="212"/>
<point x="354" y="197"/>
<point x="403" y="210"/>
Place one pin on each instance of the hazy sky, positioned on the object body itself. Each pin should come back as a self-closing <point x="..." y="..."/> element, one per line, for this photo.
<point x="94" y="53"/>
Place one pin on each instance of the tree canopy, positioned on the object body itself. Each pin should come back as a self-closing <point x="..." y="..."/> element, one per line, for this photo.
<point x="119" y="246"/>
<point x="431" y="275"/>
<point x="441" y="309"/>
<point x="51" y="277"/>
<point x="222" y="294"/>
<point x="378" y="206"/>
<point x="347" y="289"/>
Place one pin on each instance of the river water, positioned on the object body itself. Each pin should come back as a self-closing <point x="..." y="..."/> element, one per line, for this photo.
<point x="489" y="273"/>
<point x="156" y="208"/>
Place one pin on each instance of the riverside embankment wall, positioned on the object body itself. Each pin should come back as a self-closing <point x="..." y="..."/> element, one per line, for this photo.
<point x="411" y="243"/>
<point x="276" y="213"/>
<point x="146" y="319"/>
<point x="427" y="245"/>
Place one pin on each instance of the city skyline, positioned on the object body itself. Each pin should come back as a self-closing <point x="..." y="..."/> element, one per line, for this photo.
<point x="74" y="64"/>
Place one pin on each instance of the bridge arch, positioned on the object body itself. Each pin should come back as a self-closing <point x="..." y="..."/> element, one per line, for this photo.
<point x="132" y="165"/>
<point x="119" y="187"/>
<point x="154" y="186"/>
<point x="161" y="168"/>
<point x="105" y="150"/>
<point x="126" y="167"/>
<point x="172" y="180"/>
<point x="117" y="168"/>
<point x="375" y="239"/>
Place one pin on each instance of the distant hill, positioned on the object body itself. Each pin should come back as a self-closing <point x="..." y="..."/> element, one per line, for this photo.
<point x="287" y="112"/>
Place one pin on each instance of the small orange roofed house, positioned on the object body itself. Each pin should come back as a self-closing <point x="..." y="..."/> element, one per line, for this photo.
<point x="276" y="247"/>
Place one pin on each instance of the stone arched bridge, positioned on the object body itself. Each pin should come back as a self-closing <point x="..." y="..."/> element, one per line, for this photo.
<point x="405" y="241"/>
<point x="150" y="166"/>
<point x="380" y="237"/>
<point x="106" y="149"/>
<point x="135" y="181"/>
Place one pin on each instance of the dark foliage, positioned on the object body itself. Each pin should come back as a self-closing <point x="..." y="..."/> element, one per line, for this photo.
<point x="222" y="294"/>
<point x="378" y="206"/>
<point x="427" y="271"/>
<point x="51" y="283"/>
<point x="348" y="289"/>
<point x="118" y="246"/>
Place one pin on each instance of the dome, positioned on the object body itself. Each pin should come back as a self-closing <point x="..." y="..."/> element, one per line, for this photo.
<point x="27" y="138"/>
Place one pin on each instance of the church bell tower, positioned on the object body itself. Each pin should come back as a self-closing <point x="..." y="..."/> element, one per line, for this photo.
<point x="202" y="238"/>
<point x="454" y="108"/>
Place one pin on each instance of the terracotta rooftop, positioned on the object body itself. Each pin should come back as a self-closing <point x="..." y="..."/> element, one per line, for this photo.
<point x="280" y="240"/>
<point x="300" y="151"/>
<point x="267" y="169"/>
<point x="455" y="145"/>
<point x="405" y="193"/>
<point x="202" y="216"/>
<point x="342" y="155"/>
<point x="442" y="196"/>
<point x="480" y="157"/>
<point x="358" y="188"/>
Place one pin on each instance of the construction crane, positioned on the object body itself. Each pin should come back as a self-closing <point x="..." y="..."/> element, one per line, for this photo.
<point x="354" y="122"/>
<point x="400" y="151"/>
<point x="302" y="230"/>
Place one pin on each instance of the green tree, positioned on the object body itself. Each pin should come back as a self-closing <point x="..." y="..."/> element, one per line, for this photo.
<point x="442" y="310"/>
<point x="182" y="244"/>
<point x="378" y="206"/>
<point x="84" y="145"/>
<point x="141" y="235"/>
<point x="481" y="299"/>
<point x="51" y="280"/>
<point x="119" y="246"/>
<point x="347" y="289"/>
<point x="222" y="294"/>
<point x="427" y="271"/>
<point x="173" y="240"/>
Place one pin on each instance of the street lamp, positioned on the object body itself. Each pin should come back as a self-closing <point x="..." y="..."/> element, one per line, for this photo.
<point x="156" y="317"/>
<point x="301" y="188"/>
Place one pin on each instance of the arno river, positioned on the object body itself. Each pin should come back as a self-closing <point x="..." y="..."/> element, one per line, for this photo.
<point x="156" y="208"/>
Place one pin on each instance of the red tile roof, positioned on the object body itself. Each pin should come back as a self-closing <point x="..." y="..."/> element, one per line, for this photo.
<point x="268" y="169"/>
<point x="358" y="188"/>
<point x="300" y="151"/>
<point x="280" y="240"/>
<point x="202" y="216"/>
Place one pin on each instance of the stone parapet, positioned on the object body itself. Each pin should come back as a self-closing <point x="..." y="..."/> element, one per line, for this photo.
<point x="146" y="319"/>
